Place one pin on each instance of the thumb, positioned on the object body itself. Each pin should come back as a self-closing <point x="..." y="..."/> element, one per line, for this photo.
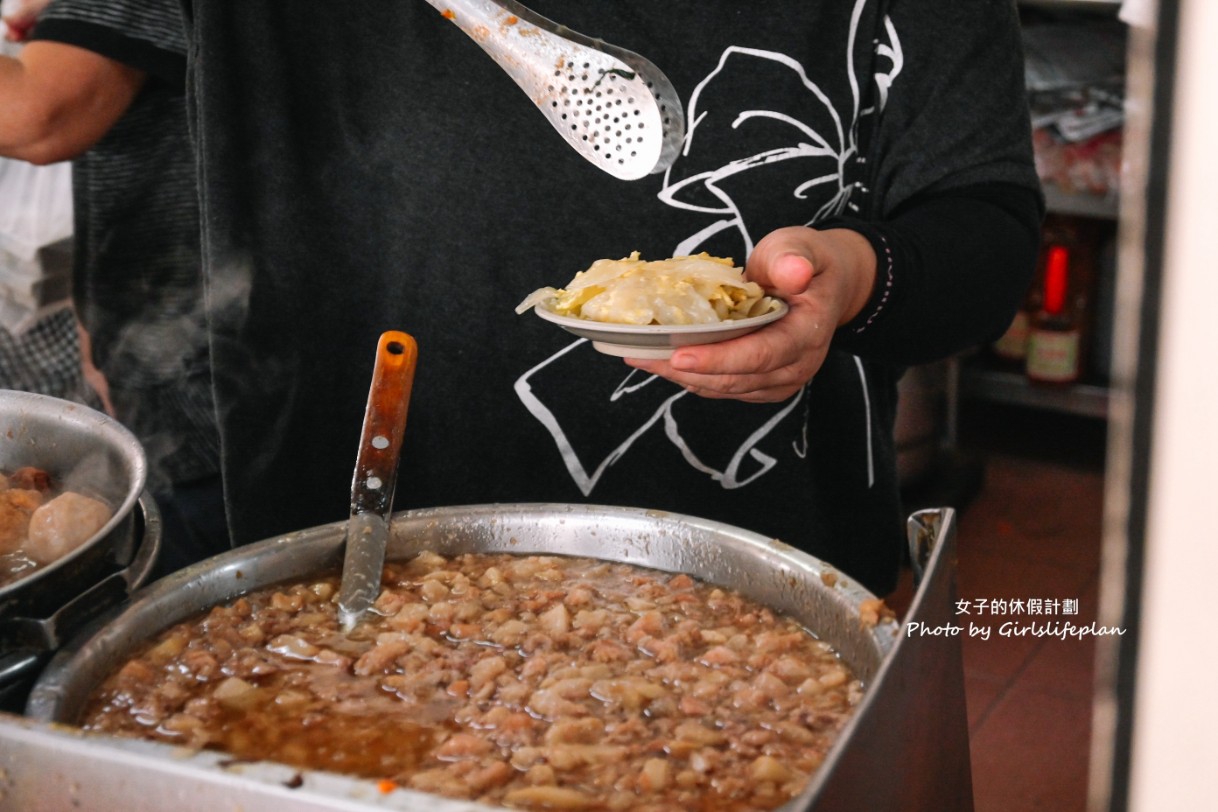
<point x="790" y="274"/>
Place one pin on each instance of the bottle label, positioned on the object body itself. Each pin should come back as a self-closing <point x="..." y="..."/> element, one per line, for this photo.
<point x="1014" y="342"/>
<point x="1053" y="356"/>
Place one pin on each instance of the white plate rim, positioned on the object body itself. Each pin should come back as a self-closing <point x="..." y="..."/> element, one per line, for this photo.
<point x="651" y="331"/>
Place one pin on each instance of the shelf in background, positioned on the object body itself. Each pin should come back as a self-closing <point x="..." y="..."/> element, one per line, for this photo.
<point x="1084" y="399"/>
<point x="1081" y="204"/>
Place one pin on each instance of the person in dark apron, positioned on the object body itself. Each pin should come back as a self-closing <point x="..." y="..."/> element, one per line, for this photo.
<point x="366" y="168"/>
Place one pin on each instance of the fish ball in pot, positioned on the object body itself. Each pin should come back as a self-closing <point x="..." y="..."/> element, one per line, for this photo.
<point x="63" y="524"/>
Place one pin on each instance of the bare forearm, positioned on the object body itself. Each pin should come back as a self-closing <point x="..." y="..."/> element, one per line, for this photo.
<point x="16" y="125"/>
<point x="59" y="100"/>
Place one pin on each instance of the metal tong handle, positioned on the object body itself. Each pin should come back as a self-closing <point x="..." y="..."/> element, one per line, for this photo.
<point x="612" y="106"/>
<point x="376" y="469"/>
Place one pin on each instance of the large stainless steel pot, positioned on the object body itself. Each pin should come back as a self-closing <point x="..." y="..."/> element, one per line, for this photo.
<point x="905" y="751"/>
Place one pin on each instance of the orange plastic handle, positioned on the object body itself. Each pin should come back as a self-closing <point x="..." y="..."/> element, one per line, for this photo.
<point x="376" y="465"/>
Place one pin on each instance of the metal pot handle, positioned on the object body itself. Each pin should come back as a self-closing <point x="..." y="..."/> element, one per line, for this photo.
<point x="142" y="564"/>
<point x="45" y="634"/>
<point x="924" y="529"/>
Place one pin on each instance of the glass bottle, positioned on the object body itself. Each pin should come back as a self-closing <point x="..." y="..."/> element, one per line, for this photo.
<point x="1055" y="335"/>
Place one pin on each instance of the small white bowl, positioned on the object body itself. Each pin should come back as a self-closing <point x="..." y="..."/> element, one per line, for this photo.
<point x="655" y="340"/>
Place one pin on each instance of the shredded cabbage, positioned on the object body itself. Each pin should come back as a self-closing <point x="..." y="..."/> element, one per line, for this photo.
<point x="697" y="289"/>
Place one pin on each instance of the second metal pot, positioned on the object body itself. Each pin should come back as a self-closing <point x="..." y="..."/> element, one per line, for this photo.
<point x="89" y="452"/>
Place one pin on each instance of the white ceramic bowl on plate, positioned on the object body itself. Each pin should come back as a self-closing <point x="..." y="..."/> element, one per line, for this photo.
<point x="655" y="340"/>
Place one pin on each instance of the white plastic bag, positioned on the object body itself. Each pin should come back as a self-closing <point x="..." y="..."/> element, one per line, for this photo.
<point x="35" y="206"/>
<point x="17" y="17"/>
<point x="35" y="240"/>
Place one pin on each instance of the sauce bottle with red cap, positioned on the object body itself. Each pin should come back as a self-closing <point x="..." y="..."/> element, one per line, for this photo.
<point x="1054" y="353"/>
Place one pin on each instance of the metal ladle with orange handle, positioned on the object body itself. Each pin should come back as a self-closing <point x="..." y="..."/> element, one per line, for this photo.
<point x="376" y="469"/>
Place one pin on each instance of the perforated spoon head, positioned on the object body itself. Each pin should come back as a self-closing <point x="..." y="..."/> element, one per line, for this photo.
<point x="614" y="107"/>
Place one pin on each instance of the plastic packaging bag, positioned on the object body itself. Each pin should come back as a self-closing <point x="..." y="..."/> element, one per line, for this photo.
<point x="17" y="17"/>
<point x="35" y="241"/>
<point x="35" y="206"/>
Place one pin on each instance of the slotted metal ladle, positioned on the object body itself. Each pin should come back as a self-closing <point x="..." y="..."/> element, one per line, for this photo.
<point x="614" y="107"/>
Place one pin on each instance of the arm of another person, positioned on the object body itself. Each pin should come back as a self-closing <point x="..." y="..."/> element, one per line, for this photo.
<point x="59" y="100"/>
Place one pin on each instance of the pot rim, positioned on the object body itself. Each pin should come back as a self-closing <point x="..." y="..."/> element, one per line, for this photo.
<point x="649" y="538"/>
